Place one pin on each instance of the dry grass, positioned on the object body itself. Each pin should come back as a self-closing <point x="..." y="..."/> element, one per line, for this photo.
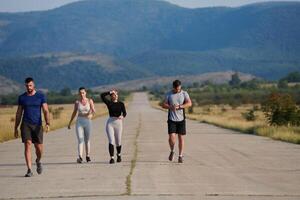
<point x="288" y="134"/>
<point x="227" y="117"/>
<point x="60" y="116"/>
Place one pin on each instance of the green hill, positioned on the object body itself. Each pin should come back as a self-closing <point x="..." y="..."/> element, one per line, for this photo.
<point x="70" y="70"/>
<point x="148" y="38"/>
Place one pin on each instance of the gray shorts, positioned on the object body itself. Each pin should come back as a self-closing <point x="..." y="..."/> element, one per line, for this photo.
<point x="31" y="132"/>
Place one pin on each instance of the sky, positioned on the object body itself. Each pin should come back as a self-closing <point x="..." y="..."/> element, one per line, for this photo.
<point x="33" y="5"/>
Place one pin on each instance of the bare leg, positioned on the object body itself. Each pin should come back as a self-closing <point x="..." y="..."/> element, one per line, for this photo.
<point x="38" y="151"/>
<point x="172" y="140"/>
<point x="180" y="144"/>
<point x="27" y="153"/>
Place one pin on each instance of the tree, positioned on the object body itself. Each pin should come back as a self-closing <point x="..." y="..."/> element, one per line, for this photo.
<point x="282" y="84"/>
<point x="66" y="92"/>
<point x="235" y="80"/>
<point x="292" y="77"/>
<point x="196" y="85"/>
<point x="252" y="84"/>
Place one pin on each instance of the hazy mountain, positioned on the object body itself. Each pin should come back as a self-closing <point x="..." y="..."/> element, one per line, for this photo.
<point x="57" y="71"/>
<point x="150" y="83"/>
<point x="150" y="38"/>
<point x="127" y="27"/>
<point x="8" y="86"/>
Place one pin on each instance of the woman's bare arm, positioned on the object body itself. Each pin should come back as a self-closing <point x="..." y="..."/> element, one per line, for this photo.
<point x="73" y="114"/>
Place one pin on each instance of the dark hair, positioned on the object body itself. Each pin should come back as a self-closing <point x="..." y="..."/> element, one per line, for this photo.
<point x="176" y="83"/>
<point x="28" y="80"/>
<point x="113" y="93"/>
<point x="81" y="88"/>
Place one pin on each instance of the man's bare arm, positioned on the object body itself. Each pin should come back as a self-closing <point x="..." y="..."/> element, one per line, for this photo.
<point x="165" y="105"/>
<point x="46" y="116"/>
<point x="187" y="103"/>
<point x="18" y="119"/>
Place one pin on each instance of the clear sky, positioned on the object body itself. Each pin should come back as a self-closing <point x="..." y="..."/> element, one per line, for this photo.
<point x="30" y="5"/>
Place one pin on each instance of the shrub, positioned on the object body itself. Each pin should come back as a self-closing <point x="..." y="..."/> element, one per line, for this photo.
<point x="207" y="110"/>
<point x="235" y="80"/>
<point x="292" y="77"/>
<point x="57" y="112"/>
<point x="191" y="109"/>
<point x="250" y="115"/>
<point x="255" y="108"/>
<point x="224" y="109"/>
<point x="281" y="109"/>
<point x="282" y="84"/>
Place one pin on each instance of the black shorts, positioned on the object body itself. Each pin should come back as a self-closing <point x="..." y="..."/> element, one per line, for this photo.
<point x="31" y="132"/>
<point x="176" y="127"/>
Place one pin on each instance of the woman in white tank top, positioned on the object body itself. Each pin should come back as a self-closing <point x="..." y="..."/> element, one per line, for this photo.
<point x="85" y="109"/>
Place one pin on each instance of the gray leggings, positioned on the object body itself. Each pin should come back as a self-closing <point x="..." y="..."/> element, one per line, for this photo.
<point x="83" y="132"/>
<point x="114" y="128"/>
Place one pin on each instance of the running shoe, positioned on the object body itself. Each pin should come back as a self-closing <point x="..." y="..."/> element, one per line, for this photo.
<point x="79" y="160"/>
<point x="112" y="161"/>
<point x="171" y="156"/>
<point x="39" y="168"/>
<point x="119" y="159"/>
<point x="88" y="159"/>
<point x="180" y="159"/>
<point x="29" y="173"/>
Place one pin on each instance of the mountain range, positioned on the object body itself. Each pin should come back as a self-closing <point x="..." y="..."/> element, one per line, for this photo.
<point x="100" y="42"/>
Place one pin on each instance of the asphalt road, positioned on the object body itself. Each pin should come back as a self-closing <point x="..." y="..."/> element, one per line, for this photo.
<point x="219" y="164"/>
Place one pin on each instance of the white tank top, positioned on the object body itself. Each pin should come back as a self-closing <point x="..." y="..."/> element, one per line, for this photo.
<point x="84" y="109"/>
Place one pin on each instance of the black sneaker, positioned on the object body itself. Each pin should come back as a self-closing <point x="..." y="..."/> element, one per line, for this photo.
<point x="119" y="159"/>
<point x="88" y="159"/>
<point x="39" y="168"/>
<point x="112" y="161"/>
<point x="180" y="159"/>
<point x="171" y="156"/>
<point x="29" y="173"/>
<point x="79" y="160"/>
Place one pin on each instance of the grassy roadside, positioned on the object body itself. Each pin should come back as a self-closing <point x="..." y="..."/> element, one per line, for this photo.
<point x="231" y="118"/>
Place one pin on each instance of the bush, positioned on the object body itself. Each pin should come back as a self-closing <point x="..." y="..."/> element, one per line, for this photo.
<point x="57" y="112"/>
<point x="224" y="109"/>
<point x="283" y="84"/>
<point x="255" y="108"/>
<point x="249" y="116"/>
<point x="235" y="80"/>
<point x="207" y="110"/>
<point x="66" y="92"/>
<point x="191" y="109"/>
<point x="292" y="77"/>
<point x="281" y="110"/>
